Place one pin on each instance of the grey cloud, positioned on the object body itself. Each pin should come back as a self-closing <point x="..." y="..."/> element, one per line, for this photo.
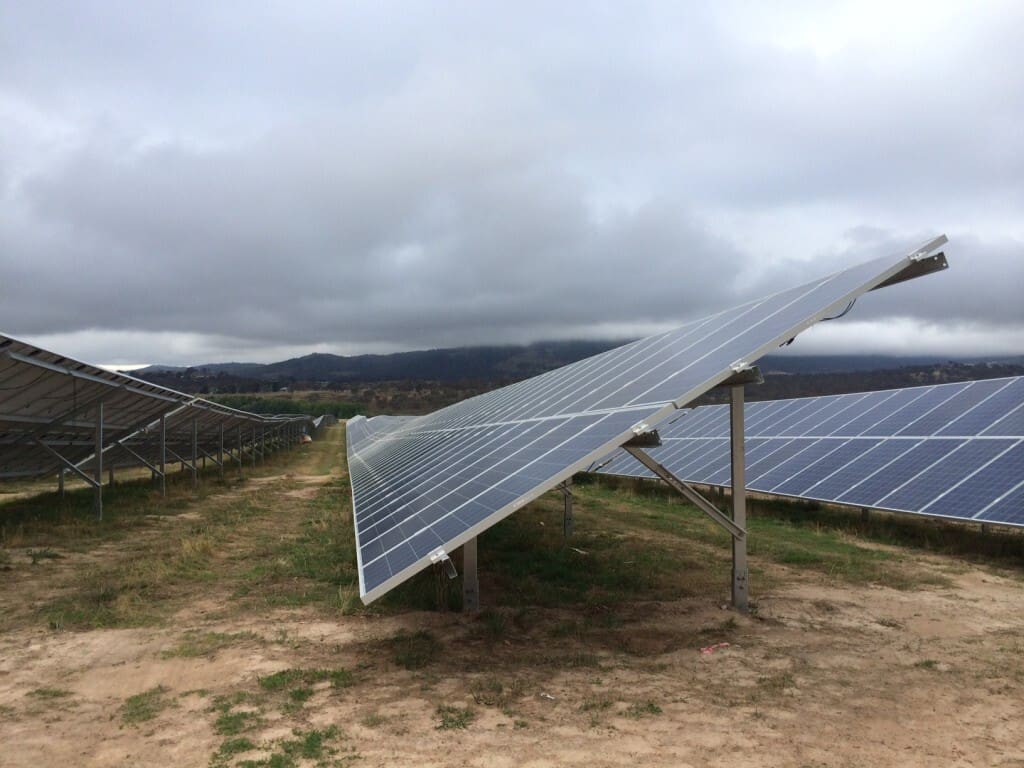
<point x="407" y="176"/>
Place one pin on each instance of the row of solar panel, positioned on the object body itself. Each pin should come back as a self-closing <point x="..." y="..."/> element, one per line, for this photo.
<point x="953" y="450"/>
<point x="428" y="484"/>
<point x="51" y="406"/>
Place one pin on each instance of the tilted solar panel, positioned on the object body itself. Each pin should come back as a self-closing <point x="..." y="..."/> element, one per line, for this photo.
<point x="423" y="486"/>
<point x="949" y="450"/>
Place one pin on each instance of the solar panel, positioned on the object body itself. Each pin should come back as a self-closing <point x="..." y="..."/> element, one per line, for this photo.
<point x="423" y="486"/>
<point x="948" y="450"/>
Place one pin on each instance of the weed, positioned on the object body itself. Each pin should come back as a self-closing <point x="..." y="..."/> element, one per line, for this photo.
<point x="37" y="555"/>
<point x="300" y="695"/>
<point x="598" y="704"/>
<point x="415" y="650"/>
<point x="310" y="745"/>
<point x="235" y="746"/>
<point x="49" y="693"/>
<point x="454" y="717"/>
<point x="374" y="720"/>
<point x="493" y="622"/>
<point x="520" y="724"/>
<point x="287" y="678"/>
<point x="145" y="706"/>
<point x="890" y="623"/>
<point x="931" y="664"/>
<point x="232" y="723"/>
<point x="491" y="692"/>
<point x="642" y="709"/>
<point x="307" y="745"/>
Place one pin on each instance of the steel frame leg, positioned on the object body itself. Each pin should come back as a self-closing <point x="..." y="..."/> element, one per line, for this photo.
<point x="740" y="596"/>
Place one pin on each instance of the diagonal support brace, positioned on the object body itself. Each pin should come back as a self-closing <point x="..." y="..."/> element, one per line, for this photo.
<point x="67" y="464"/>
<point x="682" y="488"/>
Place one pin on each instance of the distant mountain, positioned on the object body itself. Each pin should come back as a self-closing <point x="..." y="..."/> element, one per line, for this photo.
<point x="477" y="364"/>
<point x="842" y="363"/>
<point x="490" y="366"/>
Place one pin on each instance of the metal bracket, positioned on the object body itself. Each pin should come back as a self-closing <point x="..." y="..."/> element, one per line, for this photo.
<point x="440" y="557"/>
<point x="925" y="250"/>
<point x="649" y="439"/>
<point x="743" y="373"/>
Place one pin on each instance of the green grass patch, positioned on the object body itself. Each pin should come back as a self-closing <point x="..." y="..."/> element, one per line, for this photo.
<point x="454" y="718"/>
<point x="231" y="723"/>
<point x="50" y="693"/>
<point x="145" y="706"/>
<point x="288" y="679"/>
<point x="232" y="747"/>
<point x="195" y="644"/>
<point x="314" y="745"/>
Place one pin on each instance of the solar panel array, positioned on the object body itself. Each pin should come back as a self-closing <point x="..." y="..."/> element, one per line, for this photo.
<point x="948" y="450"/>
<point x="49" y="407"/>
<point x="423" y="486"/>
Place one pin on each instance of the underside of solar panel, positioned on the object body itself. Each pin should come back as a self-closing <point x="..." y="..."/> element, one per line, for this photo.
<point x="56" y="412"/>
<point x="423" y="486"/>
<point x="949" y="450"/>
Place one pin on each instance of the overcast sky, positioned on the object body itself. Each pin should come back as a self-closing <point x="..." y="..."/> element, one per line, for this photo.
<point x="191" y="182"/>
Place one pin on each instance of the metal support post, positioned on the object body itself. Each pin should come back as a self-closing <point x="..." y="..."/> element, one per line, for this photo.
<point x="220" y="452"/>
<point x="110" y="476"/>
<point x="865" y="516"/>
<point x="254" y="447"/>
<point x="98" y="493"/>
<point x="263" y="444"/>
<point x="567" y="527"/>
<point x="470" y="583"/>
<point x="740" y="597"/>
<point x="60" y="483"/>
<point x="195" y="454"/>
<point x="163" y="455"/>
<point x="239" y="430"/>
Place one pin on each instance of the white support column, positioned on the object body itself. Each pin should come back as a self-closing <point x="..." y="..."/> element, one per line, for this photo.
<point x="470" y="583"/>
<point x="740" y="598"/>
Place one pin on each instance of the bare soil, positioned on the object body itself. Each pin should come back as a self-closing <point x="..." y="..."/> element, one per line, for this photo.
<point x="823" y="674"/>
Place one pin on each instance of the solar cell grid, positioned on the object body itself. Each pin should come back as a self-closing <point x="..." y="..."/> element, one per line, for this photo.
<point x="949" y="450"/>
<point x="564" y="420"/>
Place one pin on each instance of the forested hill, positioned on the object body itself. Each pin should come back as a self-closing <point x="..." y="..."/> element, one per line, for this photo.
<point x="481" y="368"/>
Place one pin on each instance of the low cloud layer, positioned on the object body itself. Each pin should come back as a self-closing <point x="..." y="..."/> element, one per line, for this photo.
<point x="183" y="184"/>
